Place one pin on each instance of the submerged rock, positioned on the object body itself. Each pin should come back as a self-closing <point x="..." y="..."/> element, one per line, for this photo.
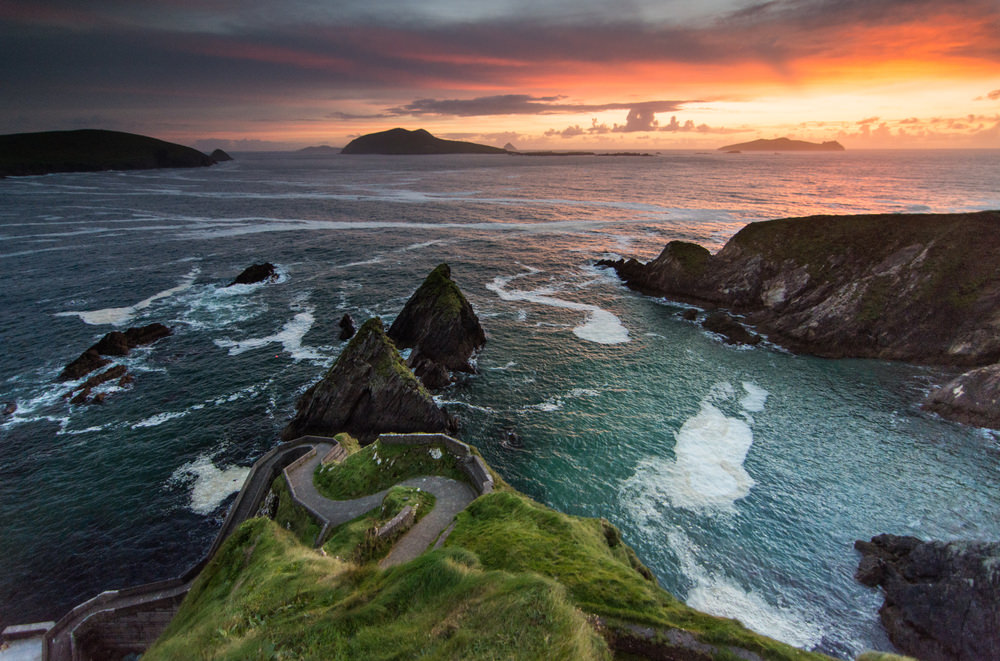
<point x="256" y="273"/>
<point x="347" y="328"/>
<point x="972" y="398"/>
<point x="367" y="392"/>
<point x="942" y="599"/>
<point x="732" y="330"/>
<point x="441" y="327"/>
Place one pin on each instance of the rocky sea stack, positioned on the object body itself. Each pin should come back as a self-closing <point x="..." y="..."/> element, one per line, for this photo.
<point x="368" y="391"/>
<point x="919" y="288"/>
<point x="942" y="599"/>
<point x="220" y="156"/>
<point x="441" y="327"/>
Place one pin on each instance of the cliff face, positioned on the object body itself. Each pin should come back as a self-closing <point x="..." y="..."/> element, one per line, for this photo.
<point x="441" y="327"/>
<point x="920" y="288"/>
<point x="368" y="391"/>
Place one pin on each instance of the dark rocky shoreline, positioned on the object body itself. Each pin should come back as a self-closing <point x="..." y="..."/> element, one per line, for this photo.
<point x="917" y="288"/>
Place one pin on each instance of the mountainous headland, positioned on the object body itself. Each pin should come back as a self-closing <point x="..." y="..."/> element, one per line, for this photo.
<point x="400" y="141"/>
<point x="91" y="150"/>
<point x="784" y="144"/>
<point x="919" y="288"/>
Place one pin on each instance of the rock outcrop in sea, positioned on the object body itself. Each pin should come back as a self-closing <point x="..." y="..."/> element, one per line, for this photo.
<point x="347" y="328"/>
<point x="920" y="288"/>
<point x="220" y="156"/>
<point x="440" y="326"/>
<point x="942" y="599"/>
<point x="115" y="343"/>
<point x="368" y="391"/>
<point x="256" y="273"/>
<point x="972" y="398"/>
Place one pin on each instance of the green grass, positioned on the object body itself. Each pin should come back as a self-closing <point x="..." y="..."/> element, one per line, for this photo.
<point x="355" y="540"/>
<point x="264" y="596"/>
<point x="291" y="516"/>
<point x="508" y="531"/>
<point x="348" y="442"/>
<point x="515" y="580"/>
<point x="379" y="466"/>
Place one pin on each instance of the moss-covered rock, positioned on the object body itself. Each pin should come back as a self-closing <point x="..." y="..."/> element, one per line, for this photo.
<point x="367" y="392"/>
<point x="440" y="326"/>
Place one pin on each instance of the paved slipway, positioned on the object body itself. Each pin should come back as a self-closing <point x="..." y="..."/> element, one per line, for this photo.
<point x="451" y="497"/>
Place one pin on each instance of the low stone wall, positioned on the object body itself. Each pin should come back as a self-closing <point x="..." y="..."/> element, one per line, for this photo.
<point x="406" y="518"/>
<point x="468" y="461"/>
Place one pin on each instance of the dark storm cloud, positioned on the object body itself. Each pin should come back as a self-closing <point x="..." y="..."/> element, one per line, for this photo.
<point x="142" y="59"/>
<point x="521" y="104"/>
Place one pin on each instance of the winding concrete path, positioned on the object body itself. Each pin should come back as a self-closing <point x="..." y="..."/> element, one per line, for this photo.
<point x="451" y="497"/>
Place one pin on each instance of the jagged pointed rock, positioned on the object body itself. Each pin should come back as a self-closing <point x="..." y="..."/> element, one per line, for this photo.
<point x="367" y="392"/>
<point x="441" y="327"/>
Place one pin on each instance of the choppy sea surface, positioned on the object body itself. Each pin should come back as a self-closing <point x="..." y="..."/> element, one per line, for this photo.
<point x="741" y="476"/>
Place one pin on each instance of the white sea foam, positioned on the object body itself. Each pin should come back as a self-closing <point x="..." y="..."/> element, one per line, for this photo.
<point x="599" y="325"/>
<point x="119" y="316"/>
<point x="706" y="473"/>
<point x="715" y="593"/>
<point x="755" y="397"/>
<point x="211" y="485"/>
<point x="289" y="337"/>
<point x="167" y="416"/>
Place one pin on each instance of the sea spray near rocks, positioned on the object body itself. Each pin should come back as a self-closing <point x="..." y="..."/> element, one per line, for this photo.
<point x="210" y="485"/>
<point x="599" y="325"/>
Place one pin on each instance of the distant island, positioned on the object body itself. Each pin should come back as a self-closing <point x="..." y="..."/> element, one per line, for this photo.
<point x="401" y="141"/>
<point x="319" y="150"/>
<point x="91" y="150"/>
<point x="784" y="144"/>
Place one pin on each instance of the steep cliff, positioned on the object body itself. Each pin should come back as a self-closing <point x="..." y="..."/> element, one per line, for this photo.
<point x="441" y="327"/>
<point x="920" y="288"/>
<point x="368" y="391"/>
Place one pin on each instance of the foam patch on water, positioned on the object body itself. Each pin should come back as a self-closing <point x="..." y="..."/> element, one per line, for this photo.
<point x="120" y="316"/>
<point x="289" y="337"/>
<point x="755" y="397"/>
<point x="599" y="325"/>
<point x="211" y="485"/>
<point x="715" y="593"/>
<point x="706" y="473"/>
<point x="167" y="416"/>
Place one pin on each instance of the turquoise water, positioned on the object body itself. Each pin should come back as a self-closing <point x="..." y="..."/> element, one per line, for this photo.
<point x="741" y="476"/>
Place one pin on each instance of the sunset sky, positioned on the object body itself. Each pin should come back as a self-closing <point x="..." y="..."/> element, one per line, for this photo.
<point x="556" y="74"/>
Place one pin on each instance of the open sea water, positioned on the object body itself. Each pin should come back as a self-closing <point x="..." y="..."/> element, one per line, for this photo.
<point x="741" y="476"/>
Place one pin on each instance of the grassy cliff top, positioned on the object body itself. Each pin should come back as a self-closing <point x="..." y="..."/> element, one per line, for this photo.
<point x="514" y="580"/>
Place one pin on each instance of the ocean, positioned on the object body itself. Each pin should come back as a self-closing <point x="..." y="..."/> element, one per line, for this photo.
<point x="741" y="476"/>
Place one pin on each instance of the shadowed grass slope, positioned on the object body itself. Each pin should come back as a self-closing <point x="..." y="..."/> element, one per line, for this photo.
<point x="265" y="596"/>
